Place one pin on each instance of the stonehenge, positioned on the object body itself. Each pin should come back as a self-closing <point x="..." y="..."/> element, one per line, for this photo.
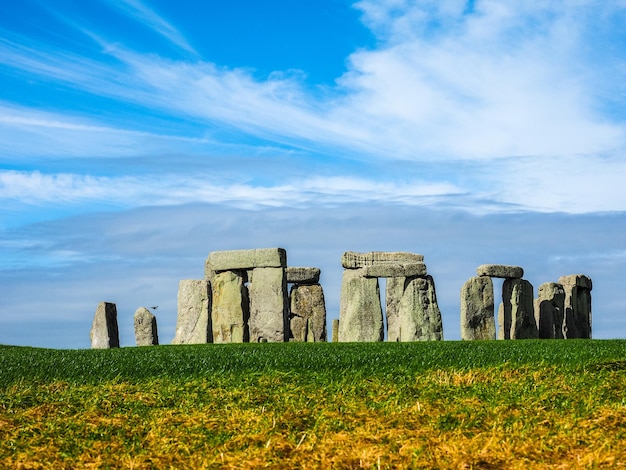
<point x="561" y="310"/>
<point x="244" y="298"/>
<point x="254" y="296"/>
<point x="411" y="302"/>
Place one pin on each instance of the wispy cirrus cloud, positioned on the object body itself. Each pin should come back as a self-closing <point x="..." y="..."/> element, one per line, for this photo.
<point x="41" y="188"/>
<point x="30" y="133"/>
<point x="150" y="19"/>
<point x="483" y="86"/>
<point x="445" y="84"/>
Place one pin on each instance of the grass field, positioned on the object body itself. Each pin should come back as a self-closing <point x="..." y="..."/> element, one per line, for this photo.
<point x="514" y="404"/>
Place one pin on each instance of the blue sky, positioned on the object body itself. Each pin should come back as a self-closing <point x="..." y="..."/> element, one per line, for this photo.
<point x="136" y="136"/>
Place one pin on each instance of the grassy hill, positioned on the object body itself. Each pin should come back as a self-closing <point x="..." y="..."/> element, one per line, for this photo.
<point x="514" y="404"/>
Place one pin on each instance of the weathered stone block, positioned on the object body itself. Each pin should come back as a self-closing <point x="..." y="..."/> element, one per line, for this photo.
<point x="300" y="275"/>
<point x="518" y="310"/>
<point x="395" y="270"/>
<point x="550" y="310"/>
<point x="193" y="324"/>
<point x="335" y="334"/>
<point x="500" y="270"/>
<point x="104" y="331"/>
<point x="477" y="309"/>
<point x="269" y="307"/>
<point x="420" y="317"/>
<point x="578" y="280"/>
<point x="230" y="308"/>
<point x="232" y="260"/>
<point x="393" y="296"/>
<point x="352" y="260"/>
<point x="578" y="317"/>
<point x="360" y="311"/>
<point x="308" y="313"/>
<point x="145" y="328"/>
<point x="504" y="324"/>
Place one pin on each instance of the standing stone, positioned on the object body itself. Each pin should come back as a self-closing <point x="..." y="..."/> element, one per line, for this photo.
<point x="504" y="324"/>
<point x="269" y="307"/>
<point x="145" y="328"/>
<point x="335" y="333"/>
<point x="577" y="305"/>
<point x="360" y="311"/>
<point x="420" y="317"/>
<point x="104" y="332"/>
<point x="230" y="308"/>
<point x="308" y="313"/>
<point x="518" y="310"/>
<point x="193" y="324"/>
<point x="393" y="296"/>
<point x="477" y="309"/>
<point x="550" y="310"/>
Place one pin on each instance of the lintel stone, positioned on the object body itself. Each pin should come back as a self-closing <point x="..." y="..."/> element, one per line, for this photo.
<point x="246" y="259"/>
<point x="500" y="270"/>
<point x="395" y="270"/>
<point x="301" y="275"/>
<point x="353" y="260"/>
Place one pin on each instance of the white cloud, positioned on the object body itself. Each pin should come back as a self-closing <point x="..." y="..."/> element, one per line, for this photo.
<point x="149" y="18"/>
<point x="38" y="188"/>
<point x="574" y="184"/>
<point x="481" y="85"/>
<point x="505" y="81"/>
<point x="26" y="132"/>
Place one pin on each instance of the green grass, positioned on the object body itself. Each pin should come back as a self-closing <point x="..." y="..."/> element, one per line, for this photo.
<point x="319" y="359"/>
<point x="514" y="404"/>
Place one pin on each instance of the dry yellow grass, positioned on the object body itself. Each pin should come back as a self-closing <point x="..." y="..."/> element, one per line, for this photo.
<point x="476" y="419"/>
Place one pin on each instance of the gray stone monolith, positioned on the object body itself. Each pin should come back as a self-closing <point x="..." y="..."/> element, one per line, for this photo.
<point x="518" y="311"/>
<point x="504" y="323"/>
<point x="360" y="311"/>
<point x="230" y="307"/>
<point x="419" y="314"/>
<point x="577" y="320"/>
<point x="335" y="330"/>
<point x="500" y="270"/>
<point x="104" y="331"/>
<point x="550" y="310"/>
<point x="193" y="324"/>
<point x="393" y="296"/>
<point x="269" y="305"/>
<point x="307" y="313"/>
<point x="477" y="309"/>
<point x="145" y="327"/>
